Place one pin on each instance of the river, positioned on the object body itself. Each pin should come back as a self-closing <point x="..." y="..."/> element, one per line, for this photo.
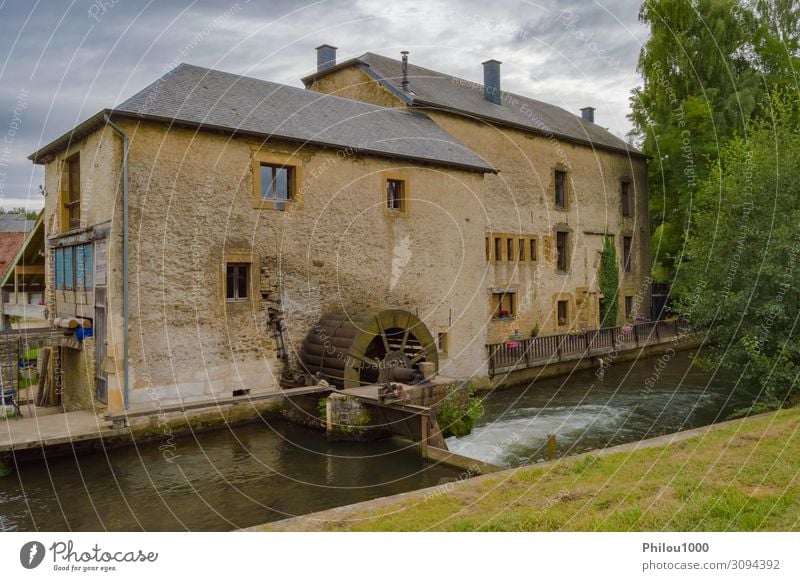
<point x="633" y="401"/>
<point x="256" y="473"/>
<point x="220" y="480"/>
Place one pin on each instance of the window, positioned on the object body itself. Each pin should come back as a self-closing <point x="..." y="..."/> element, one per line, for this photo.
<point x="72" y="193"/>
<point x="488" y="250"/>
<point x="510" y="249"/>
<point x="628" y="307"/>
<point x="626" y="198"/>
<point x="237" y="281"/>
<point x="562" y="311"/>
<point x="503" y="305"/>
<point x="562" y="250"/>
<point x="74" y="267"/>
<point x="441" y="343"/>
<point x="395" y="195"/>
<point x="532" y="250"/>
<point x="626" y="253"/>
<point x="277" y="182"/>
<point x="561" y="189"/>
<point x="521" y="249"/>
<point x="497" y="248"/>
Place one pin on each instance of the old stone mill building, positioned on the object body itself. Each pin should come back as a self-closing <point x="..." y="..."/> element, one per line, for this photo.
<point x="228" y="236"/>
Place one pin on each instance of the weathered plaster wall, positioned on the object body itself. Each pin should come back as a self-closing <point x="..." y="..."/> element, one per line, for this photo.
<point x="101" y="166"/>
<point x="519" y="201"/>
<point x="336" y="247"/>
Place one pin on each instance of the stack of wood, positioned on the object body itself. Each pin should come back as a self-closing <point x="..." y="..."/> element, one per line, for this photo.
<point x="72" y="323"/>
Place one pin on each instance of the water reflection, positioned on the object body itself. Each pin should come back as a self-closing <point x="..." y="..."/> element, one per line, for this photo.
<point x="218" y="481"/>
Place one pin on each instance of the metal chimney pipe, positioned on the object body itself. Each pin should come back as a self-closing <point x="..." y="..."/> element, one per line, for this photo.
<point x="406" y="85"/>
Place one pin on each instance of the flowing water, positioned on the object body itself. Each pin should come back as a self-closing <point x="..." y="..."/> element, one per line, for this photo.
<point x="633" y="401"/>
<point x="258" y="472"/>
<point x="221" y="480"/>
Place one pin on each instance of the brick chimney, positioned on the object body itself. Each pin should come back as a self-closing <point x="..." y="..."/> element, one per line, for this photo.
<point x="587" y="114"/>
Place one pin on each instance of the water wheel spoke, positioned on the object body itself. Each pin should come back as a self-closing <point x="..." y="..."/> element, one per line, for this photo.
<point x="422" y="353"/>
<point x="405" y="339"/>
<point x="362" y="358"/>
<point x="382" y="332"/>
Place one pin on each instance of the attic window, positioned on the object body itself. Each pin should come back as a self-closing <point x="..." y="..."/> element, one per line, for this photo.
<point x="277" y="182"/>
<point x="395" y="195"/>
<point x="71" y="193"/>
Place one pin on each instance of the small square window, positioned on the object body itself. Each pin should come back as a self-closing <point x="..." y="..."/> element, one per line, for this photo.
<point x="237" y="281"/>
<point x="277" y="182"/>
<point x="395" y="195"/>
<point x="562" y="308"/>
<point x="441" y="342"/>
<point x="560" y="178"/>
<point x="503" y="305"/>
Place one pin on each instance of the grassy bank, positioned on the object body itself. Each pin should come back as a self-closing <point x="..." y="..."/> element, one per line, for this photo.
<point x="744" y="475"/>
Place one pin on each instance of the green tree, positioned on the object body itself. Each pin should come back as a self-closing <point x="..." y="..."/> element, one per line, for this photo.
<point x="29" y="214"/>
<point x="708" y="69"/>
<point x="609" y="283"/>
<point x="740" y="281"/>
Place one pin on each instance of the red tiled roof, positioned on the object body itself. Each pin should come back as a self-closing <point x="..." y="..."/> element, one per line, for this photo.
<point x="10" y="243"/>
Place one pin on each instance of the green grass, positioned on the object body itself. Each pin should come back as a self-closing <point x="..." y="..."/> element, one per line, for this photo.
<point x="744" y="476"/>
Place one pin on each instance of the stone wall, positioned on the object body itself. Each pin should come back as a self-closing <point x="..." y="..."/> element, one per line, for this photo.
<point x="78" y="374"/>
<point x="334" y="248"/>
<point x="519" y="202"/>
<point x="101" y="189"/>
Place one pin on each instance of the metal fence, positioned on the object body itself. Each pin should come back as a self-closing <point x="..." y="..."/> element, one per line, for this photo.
<point x="537" y="351"/>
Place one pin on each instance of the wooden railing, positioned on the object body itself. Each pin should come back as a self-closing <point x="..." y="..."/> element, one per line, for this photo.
<point x="537" y="351"/>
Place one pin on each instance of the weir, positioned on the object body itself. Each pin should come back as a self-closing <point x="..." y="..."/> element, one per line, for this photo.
<point x="361" y="413"/>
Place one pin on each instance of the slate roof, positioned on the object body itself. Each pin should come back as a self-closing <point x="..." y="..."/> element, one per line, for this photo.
<point x="213" y="99"/>
<point x="15" y="223"/>
<point x="431" y="88"/>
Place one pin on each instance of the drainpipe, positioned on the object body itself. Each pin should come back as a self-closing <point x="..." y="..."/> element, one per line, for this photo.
<point x="121" y="133"/>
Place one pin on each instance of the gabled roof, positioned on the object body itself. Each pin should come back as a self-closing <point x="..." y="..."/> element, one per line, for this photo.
<point x="210" y="99"/>
<point x="33" y="238"/>
<point x="431" y="88"/>
<point x="10" y="243"/>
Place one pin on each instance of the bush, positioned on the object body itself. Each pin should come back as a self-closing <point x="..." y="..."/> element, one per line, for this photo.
<point x="457" y="415"/>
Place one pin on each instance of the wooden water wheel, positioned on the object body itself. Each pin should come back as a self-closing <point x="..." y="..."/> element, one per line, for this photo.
<point x="343" y="348"/>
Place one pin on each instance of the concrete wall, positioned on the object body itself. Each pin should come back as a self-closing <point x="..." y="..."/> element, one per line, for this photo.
<point x="191" y="210"/>
<point x="519" y="202"/>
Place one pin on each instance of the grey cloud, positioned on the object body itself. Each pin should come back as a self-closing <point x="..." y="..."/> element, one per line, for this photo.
<point x="104" y="51"/>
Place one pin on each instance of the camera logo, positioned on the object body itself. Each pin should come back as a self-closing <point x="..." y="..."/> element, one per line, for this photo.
<point x="31" y="554"/>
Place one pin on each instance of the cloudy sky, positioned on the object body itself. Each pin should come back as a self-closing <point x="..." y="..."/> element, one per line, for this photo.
<point x="61" y="62"/>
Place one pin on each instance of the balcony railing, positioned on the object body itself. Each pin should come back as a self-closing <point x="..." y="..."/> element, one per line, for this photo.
<point x="537" y="351"/>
